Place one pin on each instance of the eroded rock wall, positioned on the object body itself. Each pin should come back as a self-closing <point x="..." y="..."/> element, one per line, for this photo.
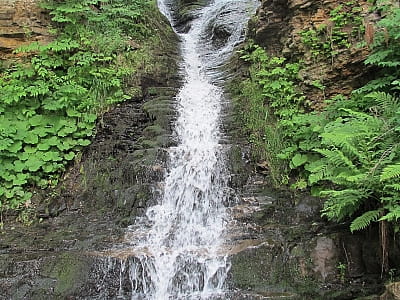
<point x="278" y="25"/>
<point x="293" y="250"/>
<point x="21" y="22"/>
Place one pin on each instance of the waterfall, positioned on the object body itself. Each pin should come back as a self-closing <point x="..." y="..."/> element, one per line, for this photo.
<point x="180" y="254"/>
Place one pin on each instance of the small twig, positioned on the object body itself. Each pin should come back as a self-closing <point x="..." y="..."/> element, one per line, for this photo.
<point x="345" y="253"/>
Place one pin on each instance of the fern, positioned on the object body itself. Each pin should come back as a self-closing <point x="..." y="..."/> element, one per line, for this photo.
<point x="393" y="215"/>
<point x="365" y="220"/>
<point x="343" y="203"/>
<point x="335" y="157"/>
<point x="390" y="172"/>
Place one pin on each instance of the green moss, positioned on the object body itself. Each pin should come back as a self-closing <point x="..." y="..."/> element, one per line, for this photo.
<point x="70" y="272"/>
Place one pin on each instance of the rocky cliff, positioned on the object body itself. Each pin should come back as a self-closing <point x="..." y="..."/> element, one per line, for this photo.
<point x="279" y="26"/>
<point x="21" y="22"/>
<point x="298" y="255"/>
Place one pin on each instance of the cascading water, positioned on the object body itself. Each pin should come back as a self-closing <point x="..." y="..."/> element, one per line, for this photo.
<point x="180" y="256"/>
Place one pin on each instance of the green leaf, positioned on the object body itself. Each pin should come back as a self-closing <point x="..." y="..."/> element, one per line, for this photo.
<point x="31" y="139"/>
<point x="52" y="156"/>
<point x="43" y="146"/>
<point x="299" y="160"/>
<point x="73" y="113"/>
<point x="83" y="142"/>
<point x="14" y="148"/>
<point x="69" y="156"/>
<point x="20" y="179"/>
<point x="30" y="149"/>
<point x="364" y="220"/>
<point x="67" y="130"/>
<point x="5" y="143"/>
<point x="390" y="172"/>
<point x="33" y="163"/>
<point x="37" y="120"/>
<point x="19" y="166"/>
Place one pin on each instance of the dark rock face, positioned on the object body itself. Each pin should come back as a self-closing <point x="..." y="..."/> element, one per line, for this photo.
<point x="285" y="247"/>
<point x="124" y="167"/>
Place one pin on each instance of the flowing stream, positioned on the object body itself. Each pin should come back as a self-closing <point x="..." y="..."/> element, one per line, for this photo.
<point x="180" y="254"/>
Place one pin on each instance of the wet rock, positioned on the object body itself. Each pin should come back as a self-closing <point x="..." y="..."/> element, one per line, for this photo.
<point x="293" y="250"/>
<point x="324" y="258"/>
<point x="185" y="11"/>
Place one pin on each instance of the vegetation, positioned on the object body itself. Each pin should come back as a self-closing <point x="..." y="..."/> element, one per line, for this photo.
<point x="51" y="98"/>
<point x="347" y="153"/>
<point x="344" y="26"/>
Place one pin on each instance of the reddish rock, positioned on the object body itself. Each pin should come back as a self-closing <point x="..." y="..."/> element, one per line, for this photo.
<point x="21" y="22"/>
<point x="278" y="28"/>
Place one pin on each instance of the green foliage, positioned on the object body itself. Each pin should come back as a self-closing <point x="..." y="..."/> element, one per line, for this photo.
<point x="365" y="219"/>
<point x="352" y="155"/>
<point x="342" y="271"/>
<point x="386" y="51"/>
<point x="50" y="101"/>
<point x="327" y="40"/>
<point x="348" y="153"/>
<point x="272" y="94"/>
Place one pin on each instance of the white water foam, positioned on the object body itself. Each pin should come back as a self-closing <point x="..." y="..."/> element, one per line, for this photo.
<point x="180" y="257"/>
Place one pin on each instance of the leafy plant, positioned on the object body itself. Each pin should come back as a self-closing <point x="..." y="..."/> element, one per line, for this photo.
<point x="50" y="101"/>
<point x="349" y="152"/>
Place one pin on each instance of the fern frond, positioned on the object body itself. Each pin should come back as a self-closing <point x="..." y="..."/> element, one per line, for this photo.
<point x="376" y="84"/>
<point x="364" y="220"/>
<point x="377" y="57"/>
<point x="336" y="157"/>
<point x="395" y="186"/>
<point x="393" y="215"/>
<point x="385" y="103"/>
<point x="319" y="170"/>
<point x="343" y="203"/>
<point x="390" y="172"/>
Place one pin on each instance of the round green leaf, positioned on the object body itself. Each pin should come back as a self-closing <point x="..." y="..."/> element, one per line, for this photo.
<point x="73" y="113"/>
<point x="31" y="138"/>
<point x="20" y="179"/>
<point x="30" y="149"/>
<point x="5" y="143"/>
<point x="298" y="160"/>
<point x="69" y="156"/>
<point x="83" y="142"/>
<point x="19" y="166"/>
<point x="67" y="130"/>
<point x="52" y="156"/>
<point x="41" y="131"/>
<point x="33" y="163"/>
<point x="6" y="176"/>
<point x="37" y="120"/>
<point x="14" y="148"/>
<point x="43" y="146"/>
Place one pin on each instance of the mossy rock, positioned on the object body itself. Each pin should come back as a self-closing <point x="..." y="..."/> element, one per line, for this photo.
<point x="70" y="271"/>
<point x="154" y="131"/>
<point x="167" y="92"/>
<point x="146" y="157"/>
